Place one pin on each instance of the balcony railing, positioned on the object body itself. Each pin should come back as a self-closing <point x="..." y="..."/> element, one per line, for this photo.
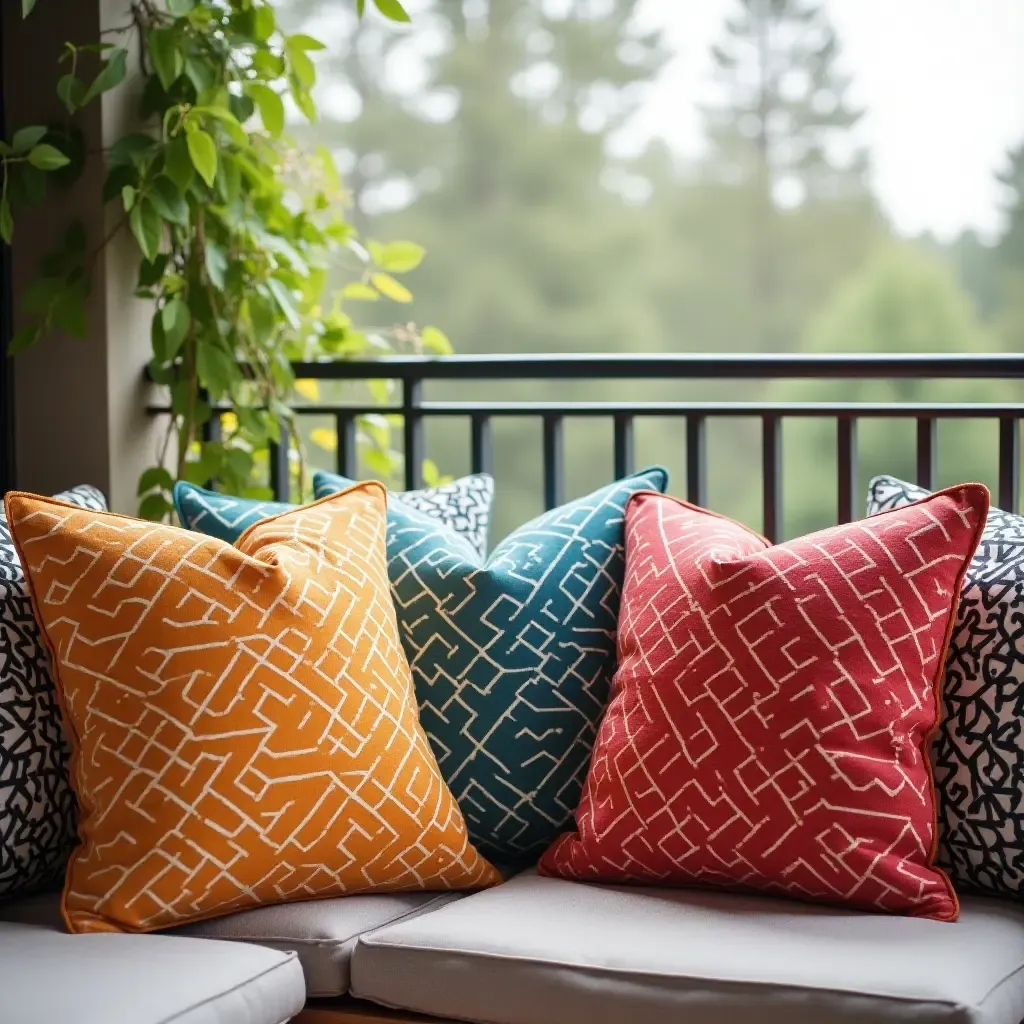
<point x="413" y="373"/>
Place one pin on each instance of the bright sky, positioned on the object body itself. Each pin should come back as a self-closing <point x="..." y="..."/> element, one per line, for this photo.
<point x="942" y="81"/>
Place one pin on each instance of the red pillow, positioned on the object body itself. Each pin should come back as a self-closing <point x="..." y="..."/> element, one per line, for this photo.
<point x="771" y="715"/>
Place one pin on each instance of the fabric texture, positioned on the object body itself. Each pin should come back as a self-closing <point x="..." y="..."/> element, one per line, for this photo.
<point x="551" y="951"/>
<point x="512" y="659"/>
<point x="463" y="506"/>
<point x="773" y="707"/>
<point x="242" y="719"/>
<point x="38" y="813"/>
<point x="978" y="752"/>
<point x="50" y="977"/>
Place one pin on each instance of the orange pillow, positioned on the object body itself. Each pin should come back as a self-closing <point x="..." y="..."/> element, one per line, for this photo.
<point x="243" y="721"/>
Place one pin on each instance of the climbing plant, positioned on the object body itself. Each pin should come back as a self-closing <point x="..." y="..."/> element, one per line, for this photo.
<point x="235" y="228"/>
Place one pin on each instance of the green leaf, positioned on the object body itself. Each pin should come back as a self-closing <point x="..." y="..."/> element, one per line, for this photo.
<point x="392" y="9"/>
<point x="179" y="8"/>
<point x="303" y="68"/>
<point x="23" y="339"/>
<point x="387" y="285"/>
<point x="216" y="265"/>
<point x="284" y="302"/>
<point x="397" y="257"/>
<point x="132" y="150"/>
<point x="304" y="101"/>
<point x="154" y="478"/>
<point x="265" y="24"/>
<point x="217" y="369"/>
<point x="25" y="138"/>
<point x="301" y="41"/>
<point x="112" y="74"/>
<point x="165" y="55"/>
<point x="178" y="163"/>
<point x="40" y="295"/>
<point x="71" y="91"/>
<point x="176" y="320"/>
<point x="203" y="153"/>
<point x="47" y="157"/>
<point x="169" y="202"/>
<point x="229" y="178"/>
<point x="201" y="73"/>
<point x="270" y="105"/>
<point x="360" y="7"/>
<point x="128" y="197"/>
<point x="6" y="220"/>
<point x="147" y="227"/>
<point x="359" y="291"/>
<point x="26" y="7"/>
<point x="268" y="64"/>
<point x="227" y="120"/>
<point x="435" y="340"/>
<point x="154" y="507"/>
<point x="69" y="310"/>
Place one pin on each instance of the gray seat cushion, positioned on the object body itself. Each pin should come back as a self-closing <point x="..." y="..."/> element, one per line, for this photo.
<point x="50" y="977"/>
<point x="322" y="932"/>
<point x="546" y="951"/>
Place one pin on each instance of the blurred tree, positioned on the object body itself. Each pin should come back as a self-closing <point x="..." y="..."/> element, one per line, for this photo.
<point x="903" y="300"/>
<point x="782" y="131"/>
<point x="1009" y="253"/>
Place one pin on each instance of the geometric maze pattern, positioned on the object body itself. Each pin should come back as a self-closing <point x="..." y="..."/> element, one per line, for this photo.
<point x="38" y="813"/>
<point x="978" y="751"/>
<point x="242" y="719"/>
<point x="512" y="660"/>
<point x="772" y="707"/>
<point x="463" y="506"/>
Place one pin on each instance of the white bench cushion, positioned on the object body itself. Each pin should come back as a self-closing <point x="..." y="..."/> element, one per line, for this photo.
<point x="546" y="951"/>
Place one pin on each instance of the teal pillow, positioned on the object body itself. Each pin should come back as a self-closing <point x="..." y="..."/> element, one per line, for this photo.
<point x="513" y="658"/>
<point x="463" y="506"/>
<point x="220" y="515"/>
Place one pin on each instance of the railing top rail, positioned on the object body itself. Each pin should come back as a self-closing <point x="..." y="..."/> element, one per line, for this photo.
<point x="678" y="366"/>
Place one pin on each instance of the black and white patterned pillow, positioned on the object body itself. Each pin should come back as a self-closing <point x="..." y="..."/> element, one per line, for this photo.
<point x="38" y="813"/>
<point x="464" y="505"/>
<point x="978" y="753"/>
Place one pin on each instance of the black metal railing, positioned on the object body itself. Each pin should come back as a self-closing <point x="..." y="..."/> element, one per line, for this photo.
<point x="413" y="373"/>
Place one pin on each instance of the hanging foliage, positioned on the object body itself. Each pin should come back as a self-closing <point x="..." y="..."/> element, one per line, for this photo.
<point x="236" y="230"/>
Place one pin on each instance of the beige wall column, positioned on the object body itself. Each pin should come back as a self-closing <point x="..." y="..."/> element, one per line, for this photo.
<point x="78" y="403"/>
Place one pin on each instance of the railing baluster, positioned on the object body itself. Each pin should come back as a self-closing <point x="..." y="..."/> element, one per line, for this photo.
<point x="624" y="446"/>
<point x="927" y="452"/>
<point x="412" y="398"/>
<point x="554" y="462"/>
<point x="482" y="457"/>
<point x="1009" y="463"/>
<point x="696" y="463"/>
<point x="771" y="475"/>
<point x="347" y="456"/>
<point x="280" y="470"/>
<point x="847" y="459"/>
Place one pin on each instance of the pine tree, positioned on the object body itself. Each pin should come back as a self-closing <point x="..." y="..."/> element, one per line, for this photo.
<point x="778" y="134"/>
<point x="785" y="118"/>
<point x="1009" y="253"/>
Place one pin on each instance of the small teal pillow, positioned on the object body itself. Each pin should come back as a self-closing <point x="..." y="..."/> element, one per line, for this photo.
<point x="512" y="659"/>
<point x="220" y="515"/>
<point x="463" y="506"/>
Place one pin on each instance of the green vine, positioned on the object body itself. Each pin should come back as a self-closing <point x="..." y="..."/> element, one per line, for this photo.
<point x="236" y="229"/>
